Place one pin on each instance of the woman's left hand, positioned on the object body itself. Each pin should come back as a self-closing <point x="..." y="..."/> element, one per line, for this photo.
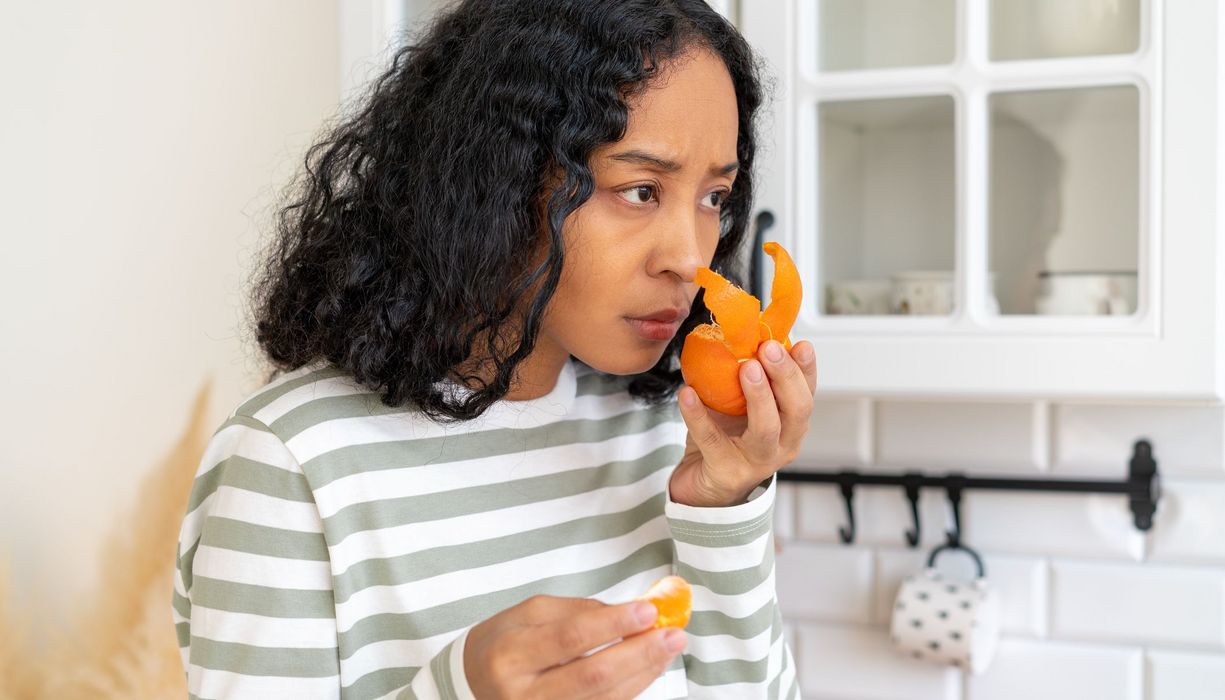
<point x="726" y="457"/>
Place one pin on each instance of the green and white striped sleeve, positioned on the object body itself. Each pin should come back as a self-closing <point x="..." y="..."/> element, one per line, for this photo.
<point x="736" y="645"/>
<point x="253" y="602"/>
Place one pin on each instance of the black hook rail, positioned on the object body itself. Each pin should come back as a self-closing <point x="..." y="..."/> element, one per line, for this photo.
<point x="1142" y="487"/>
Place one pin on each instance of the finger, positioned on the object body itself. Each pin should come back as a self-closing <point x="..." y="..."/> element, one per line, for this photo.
<point x="791" y="391"/>
<point x="715" y="445"/>
<point x="760" y="438"/>
<point x="542" y="609"/>
<point x="806" y="357"/>
<point x="599" y="674"/>
<point x="634" y="685"/>
<point x="560" y="640"/>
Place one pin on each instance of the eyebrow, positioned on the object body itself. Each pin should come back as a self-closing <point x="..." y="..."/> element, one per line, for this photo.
<point x="636" y="157"/>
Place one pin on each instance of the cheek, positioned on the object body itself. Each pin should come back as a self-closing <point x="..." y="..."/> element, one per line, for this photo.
<point x="591" y="291"/>
<point x="601" y="260"/>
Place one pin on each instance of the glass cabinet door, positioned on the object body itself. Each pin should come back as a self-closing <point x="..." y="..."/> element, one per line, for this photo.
<point x="887" y="205"/>
<point x="1065" y="200"/>
<point x="1036" y="29"/>
<point x="861" y="34"/>
<point x="1005" y="167"/>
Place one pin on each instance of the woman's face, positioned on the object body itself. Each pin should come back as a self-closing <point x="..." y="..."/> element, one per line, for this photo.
<point x="633" y="248"/>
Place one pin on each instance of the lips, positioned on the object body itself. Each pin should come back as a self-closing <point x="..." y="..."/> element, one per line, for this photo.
<point x="660" y="325"/>
<point x="664" y="316"/>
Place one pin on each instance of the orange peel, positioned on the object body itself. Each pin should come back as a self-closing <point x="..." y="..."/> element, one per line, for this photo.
<point x="712" y="353"/>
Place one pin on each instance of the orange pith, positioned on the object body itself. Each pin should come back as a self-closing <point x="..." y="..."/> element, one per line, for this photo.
<point x="673" y="598"/>
<point x="712" y="353"/>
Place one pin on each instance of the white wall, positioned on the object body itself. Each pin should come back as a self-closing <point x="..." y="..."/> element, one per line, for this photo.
<point x="143" y="145"/>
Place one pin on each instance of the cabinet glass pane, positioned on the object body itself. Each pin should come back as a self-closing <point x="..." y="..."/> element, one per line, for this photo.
<point x="859" y="34"/>
<point x="1065" y="188"/>
<point x="887" y="216"/>
<point x="1028" y="29"/>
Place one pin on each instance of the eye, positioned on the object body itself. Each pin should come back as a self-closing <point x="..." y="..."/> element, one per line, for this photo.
<point x="717" y="198"/>
<point x="631" y="195"/>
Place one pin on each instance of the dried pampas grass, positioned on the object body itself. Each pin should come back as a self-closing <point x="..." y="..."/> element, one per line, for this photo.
<point x="122" y="644"/>
<point x="20" y="673"/>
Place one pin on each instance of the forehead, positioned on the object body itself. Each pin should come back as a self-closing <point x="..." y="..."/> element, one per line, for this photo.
<point x="688" y="112"/>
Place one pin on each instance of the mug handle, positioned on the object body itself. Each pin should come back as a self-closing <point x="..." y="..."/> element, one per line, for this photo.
<point x="978" y="561"/>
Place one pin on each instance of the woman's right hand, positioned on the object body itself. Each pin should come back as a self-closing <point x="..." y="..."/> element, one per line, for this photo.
<point x="535" y="650"/>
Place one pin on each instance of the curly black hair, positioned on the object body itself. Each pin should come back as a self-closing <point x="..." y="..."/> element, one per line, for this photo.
<point x="415" y="234"/>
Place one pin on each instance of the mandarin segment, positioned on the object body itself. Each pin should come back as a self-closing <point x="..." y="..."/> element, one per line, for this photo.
<point x="673" y="599"/>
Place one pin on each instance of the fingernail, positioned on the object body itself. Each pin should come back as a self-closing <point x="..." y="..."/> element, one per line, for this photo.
<point x="645" y="613"/>
<point x="753" y="371"/>
<point x="689" y="398"/>
<point x="674" y="641"/>
<point x="774" y="351"/>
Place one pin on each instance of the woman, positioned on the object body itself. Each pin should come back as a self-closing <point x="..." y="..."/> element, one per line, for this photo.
<point x="473" y="458"/>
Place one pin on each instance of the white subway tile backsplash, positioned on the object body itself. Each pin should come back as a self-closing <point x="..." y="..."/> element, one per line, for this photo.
<point x="820" y="512"/>
<point x="824" y="582"/>
<point x="1089" y="525"/>
<point x="883" y="516"/>
<point x="1092" y="439"/>
<point x="860" y="663"/>
<point x="1153" y="604"/>
<point x="1084" y="594"/>
<point x="1028" y="670"/>
<point x="1186" y="676"/>
<point x="1190" y="523"/>
<point x="838" y="434"/>
<point x="784" y="511"/>
<point x="973" y="437"/>
<point x="791" y="639"/>
<point x="1020" y="581"/>
<point x="892" y="566"/>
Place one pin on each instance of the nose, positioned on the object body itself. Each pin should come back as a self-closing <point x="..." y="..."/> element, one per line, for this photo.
<point x="681" y="244"/>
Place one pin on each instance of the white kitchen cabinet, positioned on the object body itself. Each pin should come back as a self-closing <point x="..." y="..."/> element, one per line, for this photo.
<point x="1051" y="166"/>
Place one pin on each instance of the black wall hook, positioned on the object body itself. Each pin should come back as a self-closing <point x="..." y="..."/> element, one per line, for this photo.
<point x="954" y="484"/>
<point x="847" y="485"/>
<point x="913" y="482"/>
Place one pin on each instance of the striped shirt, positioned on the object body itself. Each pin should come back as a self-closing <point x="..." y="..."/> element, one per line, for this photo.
<point x="334" y="547"/>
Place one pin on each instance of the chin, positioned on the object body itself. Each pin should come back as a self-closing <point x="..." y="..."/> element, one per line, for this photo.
<point x="623" y="361"/>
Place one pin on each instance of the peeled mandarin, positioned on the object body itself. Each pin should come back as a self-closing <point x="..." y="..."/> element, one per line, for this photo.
<point x="673" y="598"/>
<point x="712" y="353"/>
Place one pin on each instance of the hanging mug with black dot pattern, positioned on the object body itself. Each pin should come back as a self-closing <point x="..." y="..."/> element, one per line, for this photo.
<point x="947" y="621"/>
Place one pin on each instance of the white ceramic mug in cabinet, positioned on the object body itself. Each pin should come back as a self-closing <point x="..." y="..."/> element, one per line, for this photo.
<point x="857" y="298"/>
<point x="1086" y="293"/>
<point x="922" y="293"/>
